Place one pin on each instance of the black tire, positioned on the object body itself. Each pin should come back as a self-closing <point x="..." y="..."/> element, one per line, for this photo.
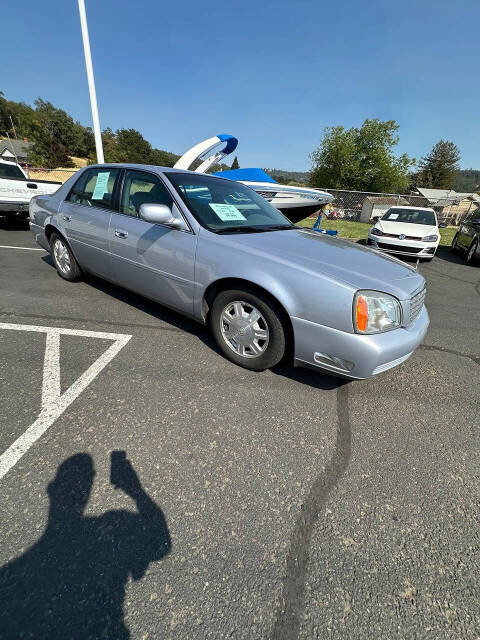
<point x="67" y="269"/>
<point x="470" y="258"/>
<point x="273" y="347"/>
<point x="453" y="246"/>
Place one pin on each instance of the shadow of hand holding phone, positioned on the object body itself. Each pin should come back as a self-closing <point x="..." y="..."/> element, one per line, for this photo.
<point x="71" y="583"/>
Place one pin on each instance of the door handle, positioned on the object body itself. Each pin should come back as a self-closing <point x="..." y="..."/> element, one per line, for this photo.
<point x="67" y="218"/>
<point x="121" y="234"/>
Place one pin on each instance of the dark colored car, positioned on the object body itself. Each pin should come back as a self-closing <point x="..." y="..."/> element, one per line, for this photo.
<point x="467" y="238"/>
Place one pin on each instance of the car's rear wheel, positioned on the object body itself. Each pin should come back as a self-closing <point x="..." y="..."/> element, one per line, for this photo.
<point x="471" y="253"/>
<point x="63" y="258"/>
<point x="248" y="328"/>
<point x="453" y="246"/>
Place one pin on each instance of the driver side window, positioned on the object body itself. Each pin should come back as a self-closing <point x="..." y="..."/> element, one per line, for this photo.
<point x="141" y="188"/>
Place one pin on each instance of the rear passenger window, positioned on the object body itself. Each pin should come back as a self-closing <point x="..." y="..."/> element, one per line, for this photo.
<point x="95" y="188"/>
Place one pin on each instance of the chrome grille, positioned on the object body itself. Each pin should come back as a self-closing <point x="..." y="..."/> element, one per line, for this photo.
<point x="416" y="304"/>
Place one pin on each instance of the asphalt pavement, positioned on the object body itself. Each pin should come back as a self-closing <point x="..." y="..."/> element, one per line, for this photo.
<point x="278" y="505"/>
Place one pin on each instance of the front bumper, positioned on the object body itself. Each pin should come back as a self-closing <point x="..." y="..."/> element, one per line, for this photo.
<point x="368" y="354"/>
<point x="411" y="248"/>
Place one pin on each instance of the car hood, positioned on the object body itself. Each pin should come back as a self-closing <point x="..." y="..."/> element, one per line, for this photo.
<point x="409" y="229"/>
<point x="358" y="266"/>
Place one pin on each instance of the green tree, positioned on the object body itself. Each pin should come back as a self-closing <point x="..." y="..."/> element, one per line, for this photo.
<point x="163" y="158"/>
<point x="131" y="146"/>
<point x="21" y="114"/>
<point x="360" y="159"/>
<point x="438" y="169"/>
<point x="83" y="141"/>
<point x="235" y="164"/>
<point x="335" y="162"/>
<point x="53" y="136"/>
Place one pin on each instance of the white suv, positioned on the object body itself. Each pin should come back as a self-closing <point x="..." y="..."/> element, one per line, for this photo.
<point x="408" y="231"/>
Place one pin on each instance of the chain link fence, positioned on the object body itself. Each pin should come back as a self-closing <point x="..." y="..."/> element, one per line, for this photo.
<point x="51" y="175"/>
<point x="357" y="206"/>
<point x="362" y="206"/>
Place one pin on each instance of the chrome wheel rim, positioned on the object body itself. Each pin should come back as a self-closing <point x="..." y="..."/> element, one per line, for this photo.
<point x="471" y="252"/>
<point x="62" y="258"/>
<point x="244" y="329"/>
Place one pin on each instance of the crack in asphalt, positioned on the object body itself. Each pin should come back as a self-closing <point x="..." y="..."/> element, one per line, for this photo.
<point x="292" y="604"/>
<point x="431" y="347"/>
<point x="450" y="277"/>
<point x="12" y="314"/>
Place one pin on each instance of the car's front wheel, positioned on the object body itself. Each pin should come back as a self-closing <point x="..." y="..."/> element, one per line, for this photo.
<point x="472" y="252"/>
<point x="63" y="258"/>
<point x="453" y="246"/>
<point x="248" y="328"/>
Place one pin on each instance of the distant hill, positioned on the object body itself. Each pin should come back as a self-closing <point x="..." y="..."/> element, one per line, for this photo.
<point x="284" y="177"/>
<point x="467" y="180"/>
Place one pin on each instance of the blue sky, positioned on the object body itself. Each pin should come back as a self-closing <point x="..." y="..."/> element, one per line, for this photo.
<point x="271" y="73"/>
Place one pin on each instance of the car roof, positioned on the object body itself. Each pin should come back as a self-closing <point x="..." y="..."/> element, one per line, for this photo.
<point x="151" y="167"/>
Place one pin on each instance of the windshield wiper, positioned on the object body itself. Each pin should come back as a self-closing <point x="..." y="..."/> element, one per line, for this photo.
<point x="251" y="229"/>
<point x="278" y="227"/>
<point x="240" y="229"/>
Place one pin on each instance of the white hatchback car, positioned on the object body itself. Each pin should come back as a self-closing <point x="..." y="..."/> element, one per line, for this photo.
<point x="408" y="231"/>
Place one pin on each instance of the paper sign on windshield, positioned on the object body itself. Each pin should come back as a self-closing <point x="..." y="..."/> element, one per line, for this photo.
<point x="393" y="216"/>
<point x="101" y="186"/>
<point x="227" y="212"/>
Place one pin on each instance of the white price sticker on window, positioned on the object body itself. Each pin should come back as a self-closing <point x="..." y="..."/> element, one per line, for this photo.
<point x="101" y="185"/>
<point x="227" y="212"/>
<point x="393" y="216"/>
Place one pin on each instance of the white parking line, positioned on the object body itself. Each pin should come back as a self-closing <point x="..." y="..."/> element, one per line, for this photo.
<point x="7" y="246"/>
<point x="54" y="402"/>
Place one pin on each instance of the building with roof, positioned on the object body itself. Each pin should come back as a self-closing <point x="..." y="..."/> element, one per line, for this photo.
<point x="14" y="150"/>
<point x="378" y="205"/>
<point x="449" y="204"/>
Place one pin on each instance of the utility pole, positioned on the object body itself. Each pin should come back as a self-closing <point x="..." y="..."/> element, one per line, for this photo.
<point x="13" y="127"/>
<point x="91" y="81"/>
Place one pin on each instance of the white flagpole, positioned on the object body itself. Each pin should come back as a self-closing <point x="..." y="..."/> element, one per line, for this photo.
<point x="91" y="81"/>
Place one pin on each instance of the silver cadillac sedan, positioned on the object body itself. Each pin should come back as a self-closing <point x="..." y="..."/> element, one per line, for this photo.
<point x="215" y="250"/>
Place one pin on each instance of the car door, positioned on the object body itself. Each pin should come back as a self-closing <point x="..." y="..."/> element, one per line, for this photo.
<point x="152" y="259"/>
<point x="85" y="216"/>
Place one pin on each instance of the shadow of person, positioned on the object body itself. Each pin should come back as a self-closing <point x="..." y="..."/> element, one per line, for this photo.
<point x="71" y="583"/>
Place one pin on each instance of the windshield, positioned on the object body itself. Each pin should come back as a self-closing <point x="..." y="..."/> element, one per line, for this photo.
<point x="412" y="216"/>
<point x="10" y="171"/>
<point x="225" y="206"/>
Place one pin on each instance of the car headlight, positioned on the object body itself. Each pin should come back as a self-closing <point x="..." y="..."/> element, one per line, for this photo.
<point x="376" y="232"/>
<point x="433" y="238"/>
<point x="374" y="312"/>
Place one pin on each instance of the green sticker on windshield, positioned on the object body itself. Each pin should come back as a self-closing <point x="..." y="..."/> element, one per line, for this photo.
<point x="227" y="212"/>
<point x="101" y="185"/>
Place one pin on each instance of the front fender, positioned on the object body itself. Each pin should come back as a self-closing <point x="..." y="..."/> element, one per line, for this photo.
<point x="302" y="292"/>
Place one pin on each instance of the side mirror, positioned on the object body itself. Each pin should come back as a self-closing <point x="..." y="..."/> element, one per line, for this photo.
<point x="442" y="225"/>
<point x="376" y="218"/>
<point x="156" y="213"/>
